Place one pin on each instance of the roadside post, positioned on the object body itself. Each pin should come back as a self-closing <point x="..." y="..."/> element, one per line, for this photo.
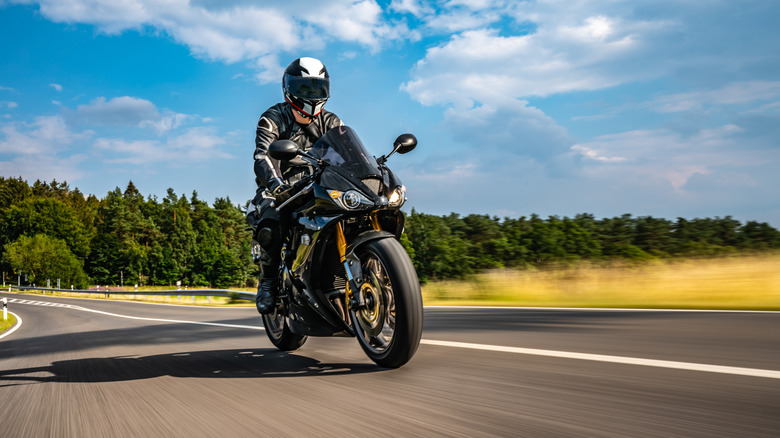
<point x="5" y="309"/>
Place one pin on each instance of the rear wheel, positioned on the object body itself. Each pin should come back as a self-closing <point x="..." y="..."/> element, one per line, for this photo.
<point x="279" y="332"/>
<point x="389" y="327"/>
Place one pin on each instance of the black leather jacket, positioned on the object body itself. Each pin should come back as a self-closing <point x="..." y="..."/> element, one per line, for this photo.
<point x="278" y="123"/>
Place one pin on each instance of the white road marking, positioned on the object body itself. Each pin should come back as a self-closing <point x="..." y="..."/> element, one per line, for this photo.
<point x="175" y="321"/>
<point x="753" y="372"/>
<point x="14" y="328"/>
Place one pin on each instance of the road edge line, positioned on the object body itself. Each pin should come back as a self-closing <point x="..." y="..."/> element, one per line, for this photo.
<point x="15" y="327"/>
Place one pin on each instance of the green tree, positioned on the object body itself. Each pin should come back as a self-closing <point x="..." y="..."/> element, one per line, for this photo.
<point x="232" y="223"/>
<point x="653" y="235"/>
<point x="616" y="236"/>
<point x="760" y="236"/>
<point x="579" y="242"/>
<point x="13" y="191"/>
<point x="488" y="244"/>
<point x="44" y="258"/>
<point x="120" y="251"/>
<point x="438" y="254"/>
<point x="48" y="216"/>
<point x="546" y="239"/>
<point x="516" y="232"/>
<point x="180" y="241"/>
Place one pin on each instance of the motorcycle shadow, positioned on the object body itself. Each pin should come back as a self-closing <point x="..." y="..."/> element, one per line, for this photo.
<point x="259" y="363"/>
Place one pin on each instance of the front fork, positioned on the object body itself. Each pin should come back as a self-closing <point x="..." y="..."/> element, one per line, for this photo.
<point x="352" y="267"/>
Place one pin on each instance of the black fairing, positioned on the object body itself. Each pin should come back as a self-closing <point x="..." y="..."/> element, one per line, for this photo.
<point x="345" y="165"/>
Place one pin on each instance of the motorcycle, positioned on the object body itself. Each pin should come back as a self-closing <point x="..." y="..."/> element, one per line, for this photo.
<point x="343" y="269"/>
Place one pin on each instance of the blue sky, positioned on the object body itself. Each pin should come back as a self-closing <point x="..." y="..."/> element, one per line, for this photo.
<point x="661" y="108"/>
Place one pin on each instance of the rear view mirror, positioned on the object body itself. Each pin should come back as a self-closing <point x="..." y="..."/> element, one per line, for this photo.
<point x="405" y="143"/>
<point x="283" y="150"/>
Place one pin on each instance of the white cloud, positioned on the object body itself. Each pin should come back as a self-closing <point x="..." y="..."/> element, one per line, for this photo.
<point x="496" y="144"/>
<point x="596" y="155"/>
<point x="232" y="31"/>
<point x="231" y="35"/>
<point x="41" y="149"/>
<point x="483" y="65"/>
<point x="667" y="158"/>
<point x="46" y="136"/>
<point x="269" y="69"/>
<point x="194" y="145"/>
<point x="507" y="128"/>
<point x="6" y="88"/>
<point x="414" y="7"/>
<point x="524" y="49"/>
<point x="359" y="21"/>
<point x="732" y="94"/>
<point x="9" y="104"/>
<point x="44" y="167"/>
<point x="169" y="121"/>
<point x="126" y="111"/>
<point x="453" y="16"/>
<point x="460" y="20"/>
<point x="57" y="87"/>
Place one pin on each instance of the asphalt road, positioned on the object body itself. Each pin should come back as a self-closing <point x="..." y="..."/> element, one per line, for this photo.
<point x="479" y="372"/>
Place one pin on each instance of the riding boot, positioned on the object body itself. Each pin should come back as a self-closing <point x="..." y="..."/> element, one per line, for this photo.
<point x="268" y="288"/>
<point x="270" y="258"/>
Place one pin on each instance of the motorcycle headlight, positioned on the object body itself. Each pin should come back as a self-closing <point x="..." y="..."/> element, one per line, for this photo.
<point x="351" y="199"/>
<point x="398" y="197"/>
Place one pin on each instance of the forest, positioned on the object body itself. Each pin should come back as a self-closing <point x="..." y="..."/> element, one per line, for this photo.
<point x="49" y="231"/>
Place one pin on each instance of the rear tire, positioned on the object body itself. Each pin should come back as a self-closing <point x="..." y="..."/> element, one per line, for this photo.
<point x="389" y="327"/>
<point x="279" y="332"/>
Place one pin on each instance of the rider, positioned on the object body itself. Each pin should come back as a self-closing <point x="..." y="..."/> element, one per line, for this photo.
<point x="302" y="119"/>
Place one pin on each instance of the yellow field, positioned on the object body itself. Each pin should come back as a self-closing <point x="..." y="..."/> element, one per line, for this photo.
<point x="723" y="283"/>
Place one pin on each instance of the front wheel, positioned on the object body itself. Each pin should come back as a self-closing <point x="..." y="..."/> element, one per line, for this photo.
<point x="279" y="332"/>
<point x="389" y="326"/>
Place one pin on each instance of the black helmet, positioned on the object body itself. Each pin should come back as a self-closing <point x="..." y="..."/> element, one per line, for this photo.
<point x="306" y="85"/>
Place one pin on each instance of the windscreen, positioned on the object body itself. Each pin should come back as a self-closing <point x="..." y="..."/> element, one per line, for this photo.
<point x="341" y="147"/>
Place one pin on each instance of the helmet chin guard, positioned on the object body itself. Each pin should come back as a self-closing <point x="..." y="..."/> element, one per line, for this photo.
<point x="306" y="107"/>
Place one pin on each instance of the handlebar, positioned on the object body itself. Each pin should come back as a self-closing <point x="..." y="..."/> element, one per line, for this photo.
<point x="288" y="195"/>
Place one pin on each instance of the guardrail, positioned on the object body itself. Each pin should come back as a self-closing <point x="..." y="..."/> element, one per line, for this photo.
<point x="191" y="293"/>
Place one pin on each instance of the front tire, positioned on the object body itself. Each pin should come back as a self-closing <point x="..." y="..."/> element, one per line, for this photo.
<point x="389" y="327"/>
<point x="278" y="331"/>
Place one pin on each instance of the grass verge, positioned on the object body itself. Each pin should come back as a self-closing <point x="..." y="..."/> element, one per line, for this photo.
<point x="747" y="283"/>
<point x="5" y="325"/>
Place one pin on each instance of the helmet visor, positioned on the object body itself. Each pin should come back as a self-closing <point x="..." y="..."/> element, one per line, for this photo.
<point x="308" y="87"/>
